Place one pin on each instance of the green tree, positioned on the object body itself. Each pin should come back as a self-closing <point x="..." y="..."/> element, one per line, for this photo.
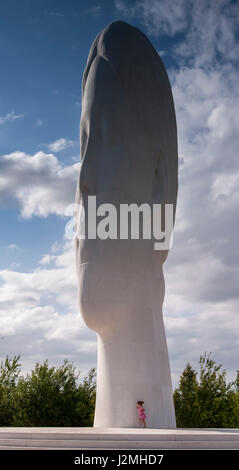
<point x="186" y="399"/>
<point x="216" y="397"/>
<point x="87" y="396"/>
<point x="237" y="382"/>
<point x="52" y="396"/>
<point x="207" y="401"/>
<point x="9" y="373"/>
<point x="236" y="409"/>
<point x="47" y="396"/>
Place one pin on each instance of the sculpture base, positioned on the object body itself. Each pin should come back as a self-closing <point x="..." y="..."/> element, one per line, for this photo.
<point x="117" y="438"/>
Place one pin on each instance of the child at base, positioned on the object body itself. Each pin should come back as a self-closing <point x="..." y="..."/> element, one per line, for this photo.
<point x="141" y="413"/>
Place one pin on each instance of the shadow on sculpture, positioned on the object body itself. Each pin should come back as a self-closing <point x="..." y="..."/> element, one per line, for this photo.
<point x="129" y="155"/>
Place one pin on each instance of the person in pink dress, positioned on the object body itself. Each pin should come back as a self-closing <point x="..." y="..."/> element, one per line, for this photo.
<point x="141" y="413"/>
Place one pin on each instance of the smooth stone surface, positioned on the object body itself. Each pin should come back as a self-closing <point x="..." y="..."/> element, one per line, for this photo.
<point x="118" y="438"/>
<point x="129" y="155"/>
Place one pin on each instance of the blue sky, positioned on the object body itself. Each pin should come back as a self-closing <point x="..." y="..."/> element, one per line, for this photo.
<point x="44" y="47"/>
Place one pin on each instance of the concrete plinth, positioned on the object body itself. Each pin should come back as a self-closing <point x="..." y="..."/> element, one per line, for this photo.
<point x="117" y="438"/>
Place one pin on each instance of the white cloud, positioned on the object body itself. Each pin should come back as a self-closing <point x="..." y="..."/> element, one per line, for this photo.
<point x="14" y="265"/>
<point x="162" y="53"/>
<point x="40" y="317"/>
<point x="60" y="144"/>
<point x="47" y="259"/>
<point x="12" y="116"/>
<point x="94" y="10"/>
<point x="39" y="123"/>
<point x="12" y="246"/>
<point x="40" y="183"/>
<point x="223" y="120"/>
<point x="208" y="28"/>
<point x="159" y="17"/>
<point x="211" y="30"/>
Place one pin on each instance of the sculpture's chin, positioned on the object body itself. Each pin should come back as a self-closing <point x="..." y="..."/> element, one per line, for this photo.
<point x="87" y="302"/>
<point x="91" y="315"/>
<point x="100" y="316"/>
<point x="106" y="290"/>
<point x="96" y="297"/>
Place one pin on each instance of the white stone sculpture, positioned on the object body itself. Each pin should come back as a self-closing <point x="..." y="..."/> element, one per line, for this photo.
<point x="129" y="155"/>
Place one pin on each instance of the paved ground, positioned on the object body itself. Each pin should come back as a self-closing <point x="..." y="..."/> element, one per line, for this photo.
<point x="118" y="438"/>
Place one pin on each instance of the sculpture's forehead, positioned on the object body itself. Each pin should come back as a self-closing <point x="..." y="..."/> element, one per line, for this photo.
<point x="103" y="91"/>
<point x="102" y="83"/>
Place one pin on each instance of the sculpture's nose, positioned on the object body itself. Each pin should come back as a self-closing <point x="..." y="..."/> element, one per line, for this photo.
<point x="87" y="180"/>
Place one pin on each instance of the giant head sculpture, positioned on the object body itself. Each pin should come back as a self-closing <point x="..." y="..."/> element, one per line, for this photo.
<point x="128" y="140"/>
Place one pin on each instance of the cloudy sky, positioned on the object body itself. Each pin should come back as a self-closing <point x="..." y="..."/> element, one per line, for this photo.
<point x="44" y="47"/>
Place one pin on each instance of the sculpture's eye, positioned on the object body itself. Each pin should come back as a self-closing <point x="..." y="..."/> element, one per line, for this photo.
<point x="157" y="165"/>
<point x="109" y="129"/>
